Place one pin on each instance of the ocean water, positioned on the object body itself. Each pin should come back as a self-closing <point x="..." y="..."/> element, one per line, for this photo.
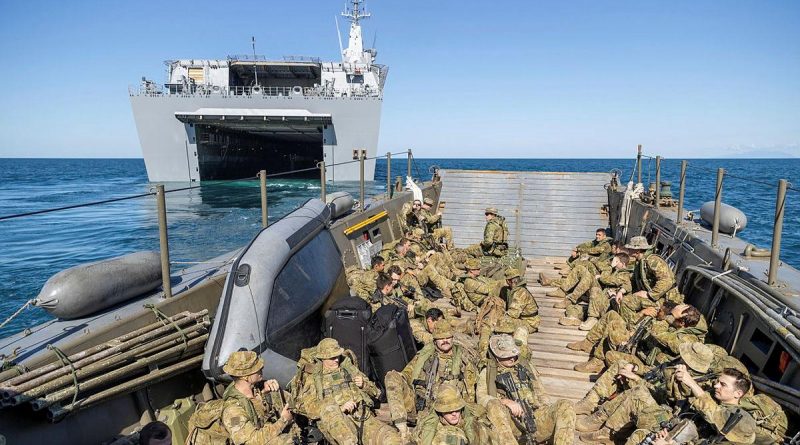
<point x="217" y="217"/>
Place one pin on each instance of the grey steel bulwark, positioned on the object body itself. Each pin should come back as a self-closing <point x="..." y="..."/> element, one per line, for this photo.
<point x="556" y="210"/>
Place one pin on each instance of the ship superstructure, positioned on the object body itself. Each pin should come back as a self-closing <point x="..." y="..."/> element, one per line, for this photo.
<point x="229" y="118"/>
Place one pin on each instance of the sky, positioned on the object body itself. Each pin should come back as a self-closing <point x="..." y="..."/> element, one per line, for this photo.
<point x="522" y="79"/>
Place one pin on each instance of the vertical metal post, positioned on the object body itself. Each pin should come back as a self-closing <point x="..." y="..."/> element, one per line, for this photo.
<point x="322" y="181"/>
<point x="679" y="219"/>
<point x="163" y="240"/>
<point x="262" y="175"/>
<point x="408" y="170"/>
<point x="658" y="181"/>
<point x="777" y="229"/>
<point x="362" y="155"/>
<point x="717" y="208"/>
<point x="639" y="164"/>
<point x="389" y="174"/>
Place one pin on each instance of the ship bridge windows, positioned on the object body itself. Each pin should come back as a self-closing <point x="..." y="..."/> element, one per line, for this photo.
<point x="274" y="74"/>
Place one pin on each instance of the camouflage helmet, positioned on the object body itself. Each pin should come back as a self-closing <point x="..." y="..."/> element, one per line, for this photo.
<point x="490" y="211"/>
<point x="743" y="432"/>
<point x="503" y="346"/>
<point x="505" y="325"/>
<point x="473" y="264"/>
<point x="696" y="355"/>
<point x="243" y="364"/>
<point x="448" y="399"/>
<point x="417" y="231"/>
<point x="442" y="329"/>
<point x="329" y="348"/>
<point x="512" y="273"/>
<point x="428" y="201"/>
<point x="638" y="243"/>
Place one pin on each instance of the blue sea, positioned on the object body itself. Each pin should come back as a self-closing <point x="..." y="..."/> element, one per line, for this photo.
<point x="217" y="217"/>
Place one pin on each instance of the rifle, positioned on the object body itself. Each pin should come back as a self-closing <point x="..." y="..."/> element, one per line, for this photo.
<point x="506" y="382"/>
<point x="629" y="347"/>
<point x="429" y="382"/>
<point x="651" y="436"/>
<point x="733" y="419"/>
<point x="657" y="373"/>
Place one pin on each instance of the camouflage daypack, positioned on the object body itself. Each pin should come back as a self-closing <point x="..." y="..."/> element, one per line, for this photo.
<point x="769" y="416"/>
<point x="205" y="425"/>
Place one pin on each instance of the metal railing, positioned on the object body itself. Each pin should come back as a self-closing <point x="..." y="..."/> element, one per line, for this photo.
<point x="782" y="187"/>
<point x="183" y="90"/>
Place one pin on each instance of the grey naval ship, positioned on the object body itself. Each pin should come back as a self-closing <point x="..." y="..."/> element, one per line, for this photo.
<point x="224" y="119"/>
<point x="129" y="344"/>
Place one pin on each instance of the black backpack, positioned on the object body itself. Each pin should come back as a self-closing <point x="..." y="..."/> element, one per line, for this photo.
<point x="390" y="341"/>
<point x="347" y="321"/>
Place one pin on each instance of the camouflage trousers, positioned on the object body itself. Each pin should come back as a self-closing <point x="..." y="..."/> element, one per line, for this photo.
<point x="554" y="423"/>
<point x="400" y="397"/>
<point x="420" y="331"/>
<point x="343" y="429"/>
<point x="445" y="233"/>
<point x="599" y="302"/>
<point x="608" y="321"/>
<point x="637" y="406"/>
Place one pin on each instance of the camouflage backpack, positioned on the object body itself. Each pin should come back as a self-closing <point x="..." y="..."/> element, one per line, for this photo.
<point x="769" y="416"/>
<point x="205" y="425"/>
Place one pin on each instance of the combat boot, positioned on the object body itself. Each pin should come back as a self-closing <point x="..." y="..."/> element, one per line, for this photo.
<point x="588" y="324"/>
<point x="544" y="280"/>
<point x="601" y="436"/>
<point x="561" y="304"/>
<point x="561" y="266"/>
<point x="569" y="321"/>
<point x="582" y="345"/>
<point x="592" y="422"/>
<point x="558" y="293"/>
<point x="591" y="366"/>
<point x="588" y="403"/>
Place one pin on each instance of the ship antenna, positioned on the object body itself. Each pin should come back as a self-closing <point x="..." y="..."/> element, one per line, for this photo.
<point x="255" y="65"/>
<point x="355" y="13"/>
<point x="339" y="35"/>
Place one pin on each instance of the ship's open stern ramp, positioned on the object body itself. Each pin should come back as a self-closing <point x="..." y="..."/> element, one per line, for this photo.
<point x="547" y="213"/>
<point x="554" y="212"/>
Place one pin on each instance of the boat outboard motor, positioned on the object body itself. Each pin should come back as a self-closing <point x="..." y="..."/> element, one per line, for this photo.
<point x="341" y="203"/>
<point x="731" y="219"/>
<point x="89" y="288"/>
<point x="273" y="298"/>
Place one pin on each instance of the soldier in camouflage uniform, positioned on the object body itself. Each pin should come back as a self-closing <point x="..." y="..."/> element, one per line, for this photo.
<point x="674" y="324"/>
<point x="653" y="281"/>
<point x="597" y="285"/>
<point x="476" y="287"/>
<point x="495" y="237"/>
<point x="362" y="282"/>
<point x="639" y="404"/>
<point x="520" y="304"/>
<point x="250" y="416"/>
<point x="410" y="217"/>
<point x="597" y="249"/>
<point x="452" y="422"/>
<point x="442" y="361"/>
<point x="432" y="316"/>
<point x="715" y="411"/>
<point x="507" y="326"/>
<point x="432" y="223"/>
<point x="554" y="422"/>
<point x="339" y="398"/>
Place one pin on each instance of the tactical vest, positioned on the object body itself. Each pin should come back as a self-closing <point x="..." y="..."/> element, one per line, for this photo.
<point x="419" y="374"/>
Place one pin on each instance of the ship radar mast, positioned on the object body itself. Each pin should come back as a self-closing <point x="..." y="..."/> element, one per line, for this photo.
<point x="354" y="53"/>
